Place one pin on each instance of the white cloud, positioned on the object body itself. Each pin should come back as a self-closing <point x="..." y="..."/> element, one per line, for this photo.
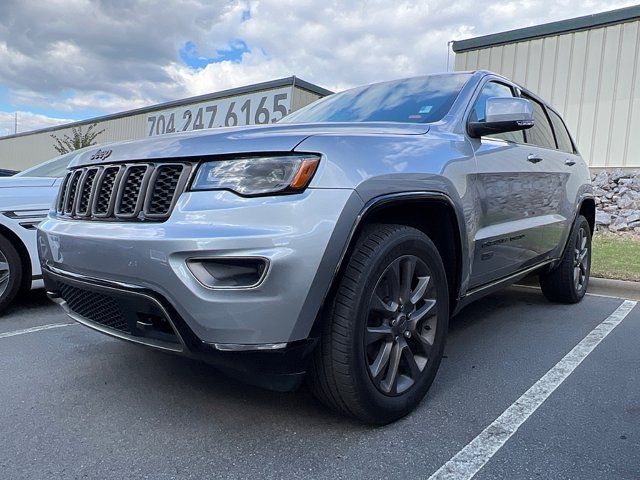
<point x="75" y="55"/>
<point x="343" y="44"/>
<point x="27" y="121"/>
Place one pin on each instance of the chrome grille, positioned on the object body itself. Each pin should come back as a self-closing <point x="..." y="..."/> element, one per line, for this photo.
<point x="137" y="191"/>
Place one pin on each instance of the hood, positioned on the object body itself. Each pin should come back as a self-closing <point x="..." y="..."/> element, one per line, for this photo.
<point x="221" y="141"/>
<point x="26" y="182"/>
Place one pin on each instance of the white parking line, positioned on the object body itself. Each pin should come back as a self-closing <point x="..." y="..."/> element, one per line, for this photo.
<point x="35" y="329"/>
<point x="601" y="295"/>
<point x="475" y="455"/>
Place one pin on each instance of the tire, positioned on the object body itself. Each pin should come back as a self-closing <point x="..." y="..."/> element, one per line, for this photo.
<point x="569" y="280"/>
<point x="348" y="372"/>
<point x="10" y="273"/>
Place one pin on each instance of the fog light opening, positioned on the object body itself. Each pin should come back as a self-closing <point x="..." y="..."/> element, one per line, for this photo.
<point x="229" y="272"/>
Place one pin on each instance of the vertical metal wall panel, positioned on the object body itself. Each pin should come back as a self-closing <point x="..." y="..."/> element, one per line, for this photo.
<point x="603" y="118"/>
<point x="622" y="93"/>
<point x="522" y="58"/>
<point x="560" y="87"/>
<point x="632" y="150"/>
<point x="547" y="67"/>
<point x="575" y="88"/>
<point x="495" y="62"/>
<point x="460" y="62"/>
<point x="508" y="60"/>
<point x="472" y="60"/>
<point x="484" y="58"/>
<point x="592" y="77"/>
<point x="534" y="65"/>
<point x="302" y="98"/>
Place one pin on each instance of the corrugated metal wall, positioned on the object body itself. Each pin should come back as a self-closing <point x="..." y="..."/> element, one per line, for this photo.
<point x="592" y="77"/>
<point x="21" y="152"/>
<point x="27" y="150"/>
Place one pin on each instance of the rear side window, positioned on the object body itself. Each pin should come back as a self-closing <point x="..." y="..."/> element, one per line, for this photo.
<point x="490" y="90"/>
<point x="541" y="134"/>
<point x="562" y="135"/>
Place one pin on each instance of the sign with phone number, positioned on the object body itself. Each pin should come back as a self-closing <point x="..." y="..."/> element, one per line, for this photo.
<point x="251" y="109"/>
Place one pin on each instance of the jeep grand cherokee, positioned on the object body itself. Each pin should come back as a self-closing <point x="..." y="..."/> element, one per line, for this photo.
<point x="333" y="245"/>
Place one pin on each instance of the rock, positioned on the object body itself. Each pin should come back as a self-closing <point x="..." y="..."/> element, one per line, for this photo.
<point x="618" y="174"/>
<point x="603" y="218"/>
<point x="630" y="199"/>
<point x="617" y="198"/>
<point x="634" y="217"/>
<point x="601" y="179"/>
<point x="599" y="192"/>
<point x="618" y="224"/>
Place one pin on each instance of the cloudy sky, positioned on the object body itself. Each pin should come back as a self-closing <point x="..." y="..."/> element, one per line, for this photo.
<point x="74" y="59"/>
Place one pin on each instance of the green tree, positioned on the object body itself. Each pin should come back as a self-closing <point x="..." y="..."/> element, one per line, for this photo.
<point x="77" y="139"/>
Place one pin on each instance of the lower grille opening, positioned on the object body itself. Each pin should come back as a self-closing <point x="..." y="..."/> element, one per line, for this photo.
<point x="96" y="307"/>
<point x="134" y="315"/>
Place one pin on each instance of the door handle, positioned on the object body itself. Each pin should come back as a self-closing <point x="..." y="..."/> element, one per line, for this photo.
<point x="534" y="158"/>
<point x="569" y="162"/>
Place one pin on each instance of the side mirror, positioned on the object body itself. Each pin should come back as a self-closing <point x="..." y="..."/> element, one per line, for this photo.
<point x="503" y="114"/>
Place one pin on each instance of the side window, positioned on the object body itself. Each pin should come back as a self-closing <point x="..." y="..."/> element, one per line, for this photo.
<point x="562" y="135"/>
<point x="541" y="133"/>
<point x="495" y="89"/>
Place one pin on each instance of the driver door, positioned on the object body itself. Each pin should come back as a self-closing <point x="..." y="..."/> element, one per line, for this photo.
<point x="508" y="236"/>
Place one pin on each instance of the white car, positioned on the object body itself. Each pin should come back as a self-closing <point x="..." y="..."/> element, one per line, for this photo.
<point x="25" y="200"/>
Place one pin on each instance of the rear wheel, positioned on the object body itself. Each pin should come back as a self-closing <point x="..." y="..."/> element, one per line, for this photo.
<point x="568" y="281"/>
<point x="10" y="273"/>
<point x="384" y="332"/>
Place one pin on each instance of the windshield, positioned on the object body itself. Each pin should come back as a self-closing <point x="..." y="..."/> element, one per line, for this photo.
<point x="53" y="168"/>
<point x="413" y="100"/>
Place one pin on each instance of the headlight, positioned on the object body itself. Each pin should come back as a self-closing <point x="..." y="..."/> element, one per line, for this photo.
<point x="257" y="175"/>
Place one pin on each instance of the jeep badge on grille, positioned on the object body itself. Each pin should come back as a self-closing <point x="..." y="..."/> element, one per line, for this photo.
<point x="101" y="155"/>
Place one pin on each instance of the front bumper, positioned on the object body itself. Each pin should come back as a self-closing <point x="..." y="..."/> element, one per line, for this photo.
<point x="138" y="315"/>
<point x="302" y="236"/>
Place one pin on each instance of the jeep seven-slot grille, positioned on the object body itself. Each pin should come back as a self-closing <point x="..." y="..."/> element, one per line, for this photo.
<point x="138" y="191"/>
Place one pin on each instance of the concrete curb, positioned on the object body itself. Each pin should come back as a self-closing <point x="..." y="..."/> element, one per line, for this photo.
<point x="614" y="288"/>
<point x="599" y="286"/>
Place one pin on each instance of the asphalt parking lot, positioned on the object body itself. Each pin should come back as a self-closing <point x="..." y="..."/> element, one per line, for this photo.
<point x="77" y="404"/>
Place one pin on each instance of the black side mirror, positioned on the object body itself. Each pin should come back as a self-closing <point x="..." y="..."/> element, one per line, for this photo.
<point x="503" y="114"/>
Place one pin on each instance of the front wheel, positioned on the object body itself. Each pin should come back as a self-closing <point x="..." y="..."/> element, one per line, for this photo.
<point x="568" y="281"/>
<point x="384" y="332"/>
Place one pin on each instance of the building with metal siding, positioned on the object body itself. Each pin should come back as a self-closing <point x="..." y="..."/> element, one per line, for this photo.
<point x="588" y="68"/>
<point x="260" y="103"/>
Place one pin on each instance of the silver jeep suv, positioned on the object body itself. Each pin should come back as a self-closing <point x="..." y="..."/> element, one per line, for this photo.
<point x="334" y="245"/>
